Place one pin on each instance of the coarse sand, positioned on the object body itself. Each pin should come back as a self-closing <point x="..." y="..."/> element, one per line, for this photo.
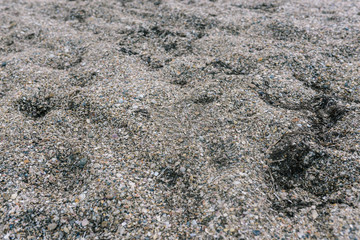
<point x="169" y="119"/>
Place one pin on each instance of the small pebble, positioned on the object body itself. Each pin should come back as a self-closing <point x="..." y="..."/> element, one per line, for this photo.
<point x="109" y="196"/>
<point x="314" y="214"/>
<point x="82" y="163"/>
<point x="104" y="224"/>
<point x="66" y="230"/>
<point x="52" y="226"/>
<point x="6" y="196"/>
<point x="84" y="222"/>
<point x="13" y="196"/>
<point x="256" y="232"/>
<point x="82" y="196"/>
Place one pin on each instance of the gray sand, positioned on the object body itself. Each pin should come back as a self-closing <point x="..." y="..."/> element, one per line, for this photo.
<point x="179" y="119"/>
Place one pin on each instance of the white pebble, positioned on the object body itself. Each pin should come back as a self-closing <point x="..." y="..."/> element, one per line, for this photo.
<point x="13" y="196"/>
<point x="314" y="214"/>
<point x="82" y="196"/>
<point x="84" y="222"/>
<point x="52" y="226"/>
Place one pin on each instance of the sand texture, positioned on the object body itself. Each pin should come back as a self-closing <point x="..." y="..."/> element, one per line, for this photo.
<point x="129" y="119"/>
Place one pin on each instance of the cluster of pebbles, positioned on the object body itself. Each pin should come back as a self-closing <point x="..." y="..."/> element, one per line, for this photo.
<point x="179" y="119"/>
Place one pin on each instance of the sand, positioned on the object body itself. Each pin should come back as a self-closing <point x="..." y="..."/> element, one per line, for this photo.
<point x="179" y="119"/>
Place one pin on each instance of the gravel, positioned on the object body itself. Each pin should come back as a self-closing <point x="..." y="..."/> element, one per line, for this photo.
<point x="179" y="119"/>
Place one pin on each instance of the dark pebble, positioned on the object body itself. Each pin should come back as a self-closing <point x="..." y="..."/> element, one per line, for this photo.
<point x="256" y="232"/>
<point x="3" y="64"/>
<point x="260" y="93"/>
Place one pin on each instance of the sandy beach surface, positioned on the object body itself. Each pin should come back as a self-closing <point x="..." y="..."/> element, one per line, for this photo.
<point x="194" y="119"/>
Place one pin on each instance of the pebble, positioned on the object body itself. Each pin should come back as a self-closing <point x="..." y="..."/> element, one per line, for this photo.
<point x="256" y="232"/>
<point x="13" y="196"/>
<point x="314" y="214"/>
<point x="82" y="196"/>
<point x="82" y="163"/>
<point x="109" y="196"/>
<point x="84" y="222"/>
<point x="104" y="224"/>
<point x="67" y="230"/>
<point x="6" y="196"/>
<point x="52" y="226"/>
<point x="182" y="169"/>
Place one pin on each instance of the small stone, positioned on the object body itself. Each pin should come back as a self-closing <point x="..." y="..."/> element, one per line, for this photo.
<point x="6" y="196"/>
<point x="104" y="224"/>
<point x="182" y="169"/>
<point x="52" y="226"/>
<point x="193" y="223"/>
<point x="256" y="232"/>
<point x="84" y="222"/>
<point x="3" y="64"/>
<point x="66" y="230"/>
<point x="82" y="163"/>
<point x="82" y="196"/>
<point x="13" y="196"/>
<point x="109" y="196"/>
<point x="314" y="214"/>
